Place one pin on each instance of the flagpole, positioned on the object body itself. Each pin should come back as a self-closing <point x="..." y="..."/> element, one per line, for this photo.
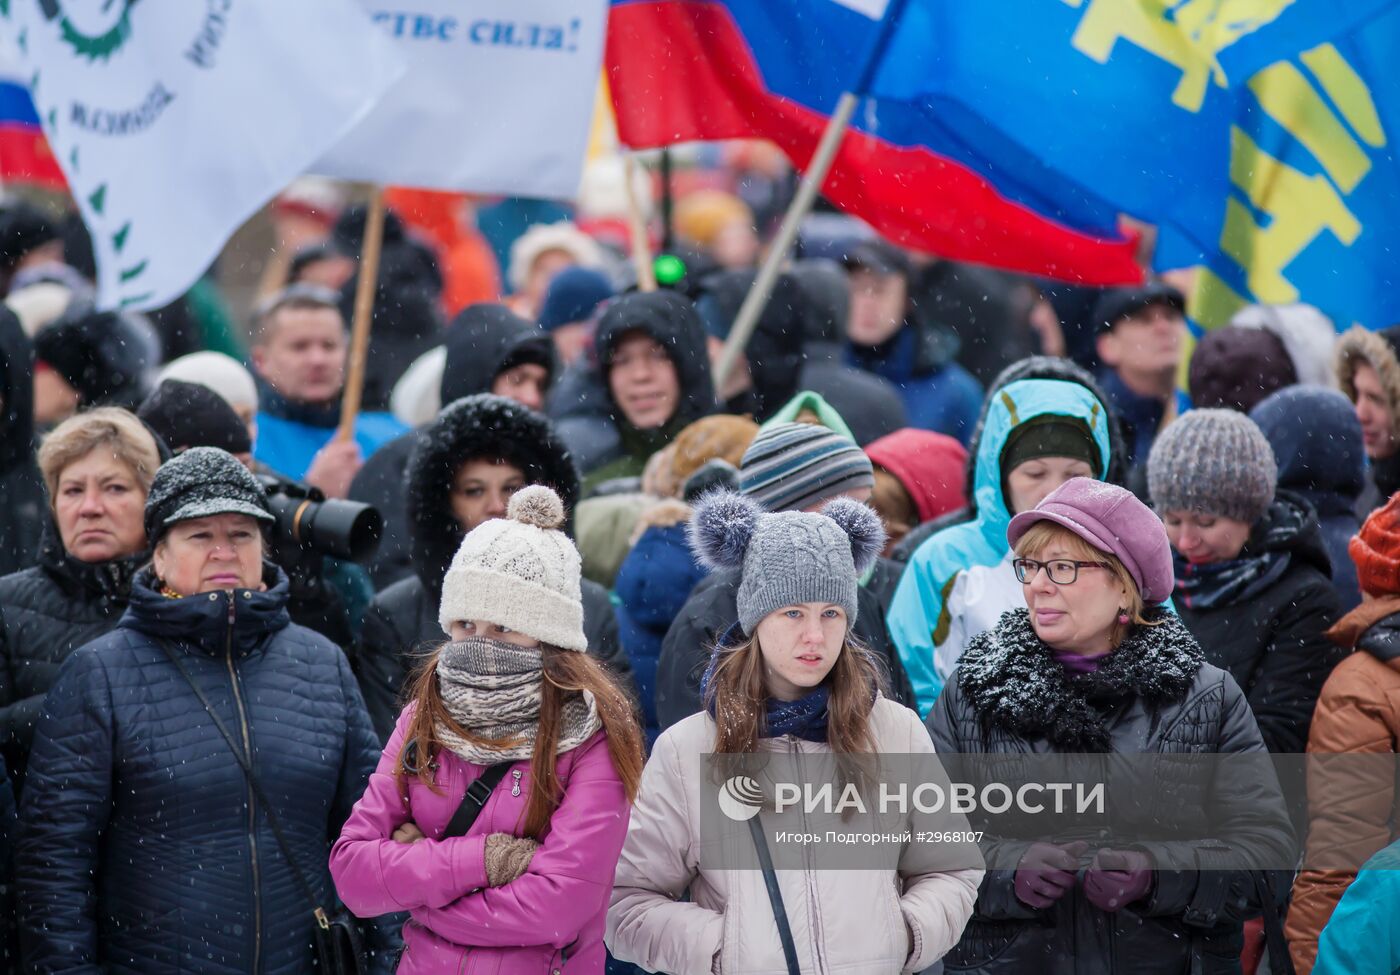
<point x="637" y="225"/>
<point x="747" y="318"/>
<point x="365" y="289"/>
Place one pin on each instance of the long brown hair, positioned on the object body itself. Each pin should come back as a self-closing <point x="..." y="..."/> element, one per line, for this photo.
<point x="566" y="673"/>
<point x="737" y="693"/>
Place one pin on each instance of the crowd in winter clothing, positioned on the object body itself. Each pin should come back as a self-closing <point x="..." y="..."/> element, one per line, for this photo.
<point x="932" y="511"/>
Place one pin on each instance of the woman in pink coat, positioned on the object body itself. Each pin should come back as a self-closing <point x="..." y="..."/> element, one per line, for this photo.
<point x="787" y="680"/>
<point x="526" y="888"/>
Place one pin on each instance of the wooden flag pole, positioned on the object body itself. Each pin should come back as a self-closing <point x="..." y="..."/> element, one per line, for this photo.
<point x="747" y="318"/>
<point x="364" y="307"/>
<point x="641" y="243"/>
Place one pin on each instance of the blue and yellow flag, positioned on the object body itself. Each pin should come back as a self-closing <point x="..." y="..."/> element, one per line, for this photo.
<point x="1258" y="135"/>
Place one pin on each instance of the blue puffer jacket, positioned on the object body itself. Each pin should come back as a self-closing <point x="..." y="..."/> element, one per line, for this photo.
<point x="141" y="848"/>
<point x="653" y="584"/>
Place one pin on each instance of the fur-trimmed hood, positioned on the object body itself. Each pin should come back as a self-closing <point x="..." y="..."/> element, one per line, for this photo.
<point x="1011" y="679"/>
<point x="476" y="426"/>
<point x="1380" y="350"/>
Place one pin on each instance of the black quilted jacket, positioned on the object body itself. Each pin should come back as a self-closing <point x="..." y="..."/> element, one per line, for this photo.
<point x="47" y="612"/>
<point x="141" y="848"/>
<point x="1154" y="695"/>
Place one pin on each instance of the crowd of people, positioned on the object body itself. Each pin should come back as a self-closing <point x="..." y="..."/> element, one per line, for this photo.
<point x="934" y="509"/>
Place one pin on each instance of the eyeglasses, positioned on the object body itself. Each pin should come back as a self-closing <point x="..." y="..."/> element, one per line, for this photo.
<point x="1062" y="572"/>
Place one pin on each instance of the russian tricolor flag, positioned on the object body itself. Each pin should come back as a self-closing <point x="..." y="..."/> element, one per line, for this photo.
<point x="24" y="152"/>
<point x="694" y="70"/>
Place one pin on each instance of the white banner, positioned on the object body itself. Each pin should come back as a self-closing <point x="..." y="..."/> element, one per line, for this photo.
<point x="498" y="97"/>
<point x="176" y="120"/>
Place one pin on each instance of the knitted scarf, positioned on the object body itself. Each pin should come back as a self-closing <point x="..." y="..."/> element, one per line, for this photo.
<point x="803" y="718"/>
<point x="492" y="689"/>
<point x="1261" y="563"/>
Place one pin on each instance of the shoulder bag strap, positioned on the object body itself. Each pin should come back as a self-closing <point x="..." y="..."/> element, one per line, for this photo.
<point x="775" y="895"/>
<point x="243" y="762"/>
<point x="475" y="800"/>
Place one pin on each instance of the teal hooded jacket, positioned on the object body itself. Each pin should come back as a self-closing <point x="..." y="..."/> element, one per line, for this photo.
<point x="918" y="615"/>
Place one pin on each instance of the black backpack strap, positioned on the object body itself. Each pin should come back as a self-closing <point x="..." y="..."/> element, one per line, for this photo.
<point x="244" y="763"/>
<point x="775" y="896"/>
<point x="475" y="800"/>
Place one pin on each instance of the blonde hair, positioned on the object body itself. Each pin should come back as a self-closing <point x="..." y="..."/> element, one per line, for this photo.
<point x="127" y="437"/>
<point x="1043" y="534"/>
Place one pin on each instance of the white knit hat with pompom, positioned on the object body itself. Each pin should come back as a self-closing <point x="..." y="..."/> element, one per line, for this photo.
<point x="520" y="571"/>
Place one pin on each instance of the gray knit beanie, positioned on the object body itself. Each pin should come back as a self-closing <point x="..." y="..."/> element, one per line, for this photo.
<point x="1213" y="461"/>
<point x="789" y="557"/>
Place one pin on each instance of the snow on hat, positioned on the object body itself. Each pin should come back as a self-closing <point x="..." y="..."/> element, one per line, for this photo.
<point x="200" y="483"/>
<point x="787" y="557"/>
<point x="1215" y="462"/>
<point x="519" y="571"/>
<point x="1112" y="520"/>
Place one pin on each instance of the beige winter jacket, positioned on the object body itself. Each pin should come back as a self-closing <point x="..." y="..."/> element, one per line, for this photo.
<point x="843" y="921"/>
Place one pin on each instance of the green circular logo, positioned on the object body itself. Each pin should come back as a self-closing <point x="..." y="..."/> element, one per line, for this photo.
<point x="94" y="29"/>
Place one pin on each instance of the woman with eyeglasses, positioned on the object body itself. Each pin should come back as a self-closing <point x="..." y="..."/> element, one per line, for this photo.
<point x="1094" y="665"/>
<point x="1253" y="577"/>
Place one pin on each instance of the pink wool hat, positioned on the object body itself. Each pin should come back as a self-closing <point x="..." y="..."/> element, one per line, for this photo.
<point x="1112" y="520"/>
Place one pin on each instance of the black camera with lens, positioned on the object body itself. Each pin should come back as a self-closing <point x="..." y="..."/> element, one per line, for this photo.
<point x="308" y="523"/>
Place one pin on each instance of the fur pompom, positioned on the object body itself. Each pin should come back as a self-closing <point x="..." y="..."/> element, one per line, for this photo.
<point x="721" y="528"/>
<point x="536" y="505"/>
<point x="862" y="526"/>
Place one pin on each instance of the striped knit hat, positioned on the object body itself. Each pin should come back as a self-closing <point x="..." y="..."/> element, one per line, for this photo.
<point x="793" y="466"/>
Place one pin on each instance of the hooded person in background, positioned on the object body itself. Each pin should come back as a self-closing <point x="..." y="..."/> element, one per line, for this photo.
<point x="22" y="487"/>
<point x="918" y="477"/>
<point x="299" y="353"/>
<point x="1309" y="337"/>
<point x="1316" y="440"/>
<point x="1368" y="372"/>
<point x="488" y="349"/>
<point x="463" y="471"/>
<point x="1037" y="434"/>
<point x="767" y="374"/>
<point x="1140" y="337"/>
<point x="86" y="359"/>
<point x="1253" y="580"/>
<point x="887" y="335"/>
<point x="1353" y="805"/>
<point x="788" y="467"/>
<point x="654" y="371"/>
<point x="871" y="404"/>
<point x="1034" y="367"/>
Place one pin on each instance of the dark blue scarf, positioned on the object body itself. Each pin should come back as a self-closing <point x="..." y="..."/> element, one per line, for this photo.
<point x="804" y="718"/>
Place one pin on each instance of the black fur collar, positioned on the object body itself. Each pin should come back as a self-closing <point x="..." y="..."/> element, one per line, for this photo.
<point x="1012" y="679"/>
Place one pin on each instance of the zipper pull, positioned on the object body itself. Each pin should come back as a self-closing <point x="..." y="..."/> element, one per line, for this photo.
<point x="515" y="789"/>
<point x="232" y="602"/>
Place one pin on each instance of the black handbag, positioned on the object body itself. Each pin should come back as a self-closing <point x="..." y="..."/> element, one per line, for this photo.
<point x="775" y="896"/>
<point x="340" y="949"/>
